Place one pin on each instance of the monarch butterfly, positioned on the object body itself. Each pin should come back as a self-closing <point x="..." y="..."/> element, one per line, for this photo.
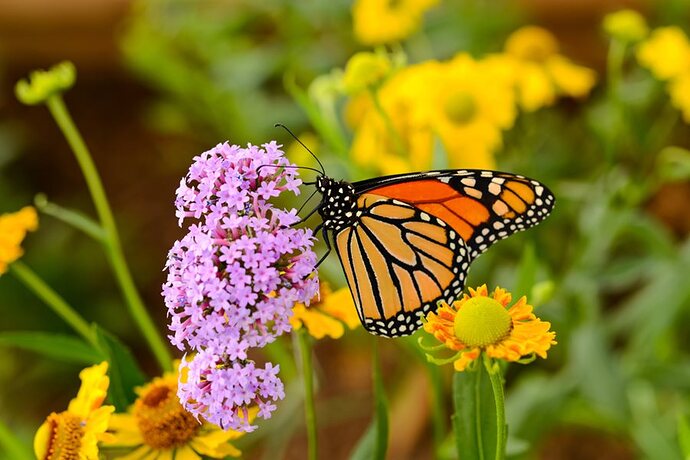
<point x="406" y="241"/>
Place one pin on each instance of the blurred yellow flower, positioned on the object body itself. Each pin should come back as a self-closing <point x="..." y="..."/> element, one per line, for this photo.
<point x="158" y="427"/>
<point x="463" y="103"/>
<point x="539" y="73"/>
<point x="679" y="90"/>
<point x="406" y="144"/>
<point x="378" y="22"/>
<point x="468" y="106"/>
<point x="480" y="322"/>
<point x="75" y="433"/>
<point x="13" y="229"/>
<point x="666" y="53"/>
<point x="326" y="316"/>
<point x="365" y="70"/>
<point x="626" y="25"/>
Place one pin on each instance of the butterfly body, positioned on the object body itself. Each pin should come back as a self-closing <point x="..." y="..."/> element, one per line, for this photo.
<point x="406" y="241"/>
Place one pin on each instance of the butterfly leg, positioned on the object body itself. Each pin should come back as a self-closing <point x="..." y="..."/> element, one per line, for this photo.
<point x="324" y="232"/>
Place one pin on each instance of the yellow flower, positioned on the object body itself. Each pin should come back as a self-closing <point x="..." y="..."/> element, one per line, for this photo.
<point x="538" y="72"/>
<point x="385" y="21"/>
<point x="13" y="229"/>
<point x="626" y="25"/>
<point x="679" y="90"/>
<point x="666" y="53"/>
<point x="480" y="322"/>
<point x="469" y="104"/>
<point x="463" y="103"/>
<point x="407" y="143"/>
<point x="326" y="316"/>
<point x="365" y="70"/>
<point x="75" y="433"/>
<point x="158" y="427"/>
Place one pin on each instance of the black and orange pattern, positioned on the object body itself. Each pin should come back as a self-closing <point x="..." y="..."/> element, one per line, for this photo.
<point x="406" y="241"/>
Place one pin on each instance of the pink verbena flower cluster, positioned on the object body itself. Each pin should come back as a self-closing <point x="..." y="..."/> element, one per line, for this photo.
<point x="234" y="278"/>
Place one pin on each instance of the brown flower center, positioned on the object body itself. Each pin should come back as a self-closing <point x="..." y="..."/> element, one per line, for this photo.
<point x="162" y="420"/>
<point x="66" y="433"/>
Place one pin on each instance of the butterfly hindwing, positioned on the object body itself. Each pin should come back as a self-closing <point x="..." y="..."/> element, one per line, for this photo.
<point x="482" y="206"/>
<point x="399" y="261"/>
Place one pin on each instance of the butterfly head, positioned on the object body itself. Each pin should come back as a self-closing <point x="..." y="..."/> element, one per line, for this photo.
<point x="338" y="207"/>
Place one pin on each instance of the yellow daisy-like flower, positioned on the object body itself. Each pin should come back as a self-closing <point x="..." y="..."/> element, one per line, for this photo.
<point x="75" y="433"/>
<point x="539" y="73"/>
<point x="469" y="105"/>
<point x="407" y="143"/>
<point x="13" y="229"/>
<point x="325" y="316"/>
<point x="666" y="53"/>
<point x="626" y="25"/>
<point x="480" y="322"/>
<point x="158" y="427"/>
<point x="378" y="22"/>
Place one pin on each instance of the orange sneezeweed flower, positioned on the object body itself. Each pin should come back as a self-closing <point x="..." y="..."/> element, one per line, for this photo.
<point x="485" y="323"/>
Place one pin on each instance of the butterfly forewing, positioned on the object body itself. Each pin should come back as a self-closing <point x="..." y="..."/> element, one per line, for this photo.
<point x="482" y="206"/>
<point x="399" y="261"/>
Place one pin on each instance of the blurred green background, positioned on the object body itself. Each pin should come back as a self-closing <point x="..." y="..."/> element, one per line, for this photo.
<point x="161" y="81"/>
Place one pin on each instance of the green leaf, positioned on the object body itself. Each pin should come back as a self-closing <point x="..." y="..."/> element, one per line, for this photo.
<point x="124" y="371"/>
<point x="474" y="420"/>
<point x="684" y="436"/>
<point x="56" y="346"/>
<point x="374" y="443"/>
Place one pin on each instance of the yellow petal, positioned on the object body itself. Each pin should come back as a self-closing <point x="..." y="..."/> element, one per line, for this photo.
<point x="215" y="450"/>
<point x="92" y="392"/>
<point x="183" y="453"/>
<point x="41" y="440"/>
<point x="340" y="305"/>
<point x="138" y="454"/>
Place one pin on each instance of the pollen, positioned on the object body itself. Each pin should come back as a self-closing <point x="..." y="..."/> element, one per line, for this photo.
<point x="482" y="321"/>
<point x="65" y="433"/>
<point x="163" y="422"/>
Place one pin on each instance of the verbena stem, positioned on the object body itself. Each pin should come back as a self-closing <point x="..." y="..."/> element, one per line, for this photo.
<point x="499" y="400"/>
<point x="56" y="303"/>
<point x="111" y="242"/>
<point x="308" y="379"/>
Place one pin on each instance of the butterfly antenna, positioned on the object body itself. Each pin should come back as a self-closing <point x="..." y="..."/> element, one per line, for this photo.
<point x="289" y="167"/>
<point x="323" y="170"/>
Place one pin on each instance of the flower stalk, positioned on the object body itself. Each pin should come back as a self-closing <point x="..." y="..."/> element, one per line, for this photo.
<point x="56" y="303"/>
<point x="111" y="242"/>
<point x="305" y="350"/>
<point x="494" y="371"/>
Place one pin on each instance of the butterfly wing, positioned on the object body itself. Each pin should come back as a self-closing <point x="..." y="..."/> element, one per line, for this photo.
<point x="399" y="261"/>
<point x="482" y="206"/>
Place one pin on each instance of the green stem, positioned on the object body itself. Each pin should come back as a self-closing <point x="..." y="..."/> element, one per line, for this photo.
<point x="397" y="140"/>
<point x="614" y="64"/>
<point x="308" y="379"/>
<point x="56" y="303"/>
<point x="12" y="446"/>
<point x="499" y="400"/>
<point x="478" y="407"/>
<point x="438" y="408"/>
<point x="111" y="241"/>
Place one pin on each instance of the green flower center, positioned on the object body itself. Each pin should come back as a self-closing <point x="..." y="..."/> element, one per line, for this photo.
<point x="482" y="321"/>
<point x="460" y="107"/>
